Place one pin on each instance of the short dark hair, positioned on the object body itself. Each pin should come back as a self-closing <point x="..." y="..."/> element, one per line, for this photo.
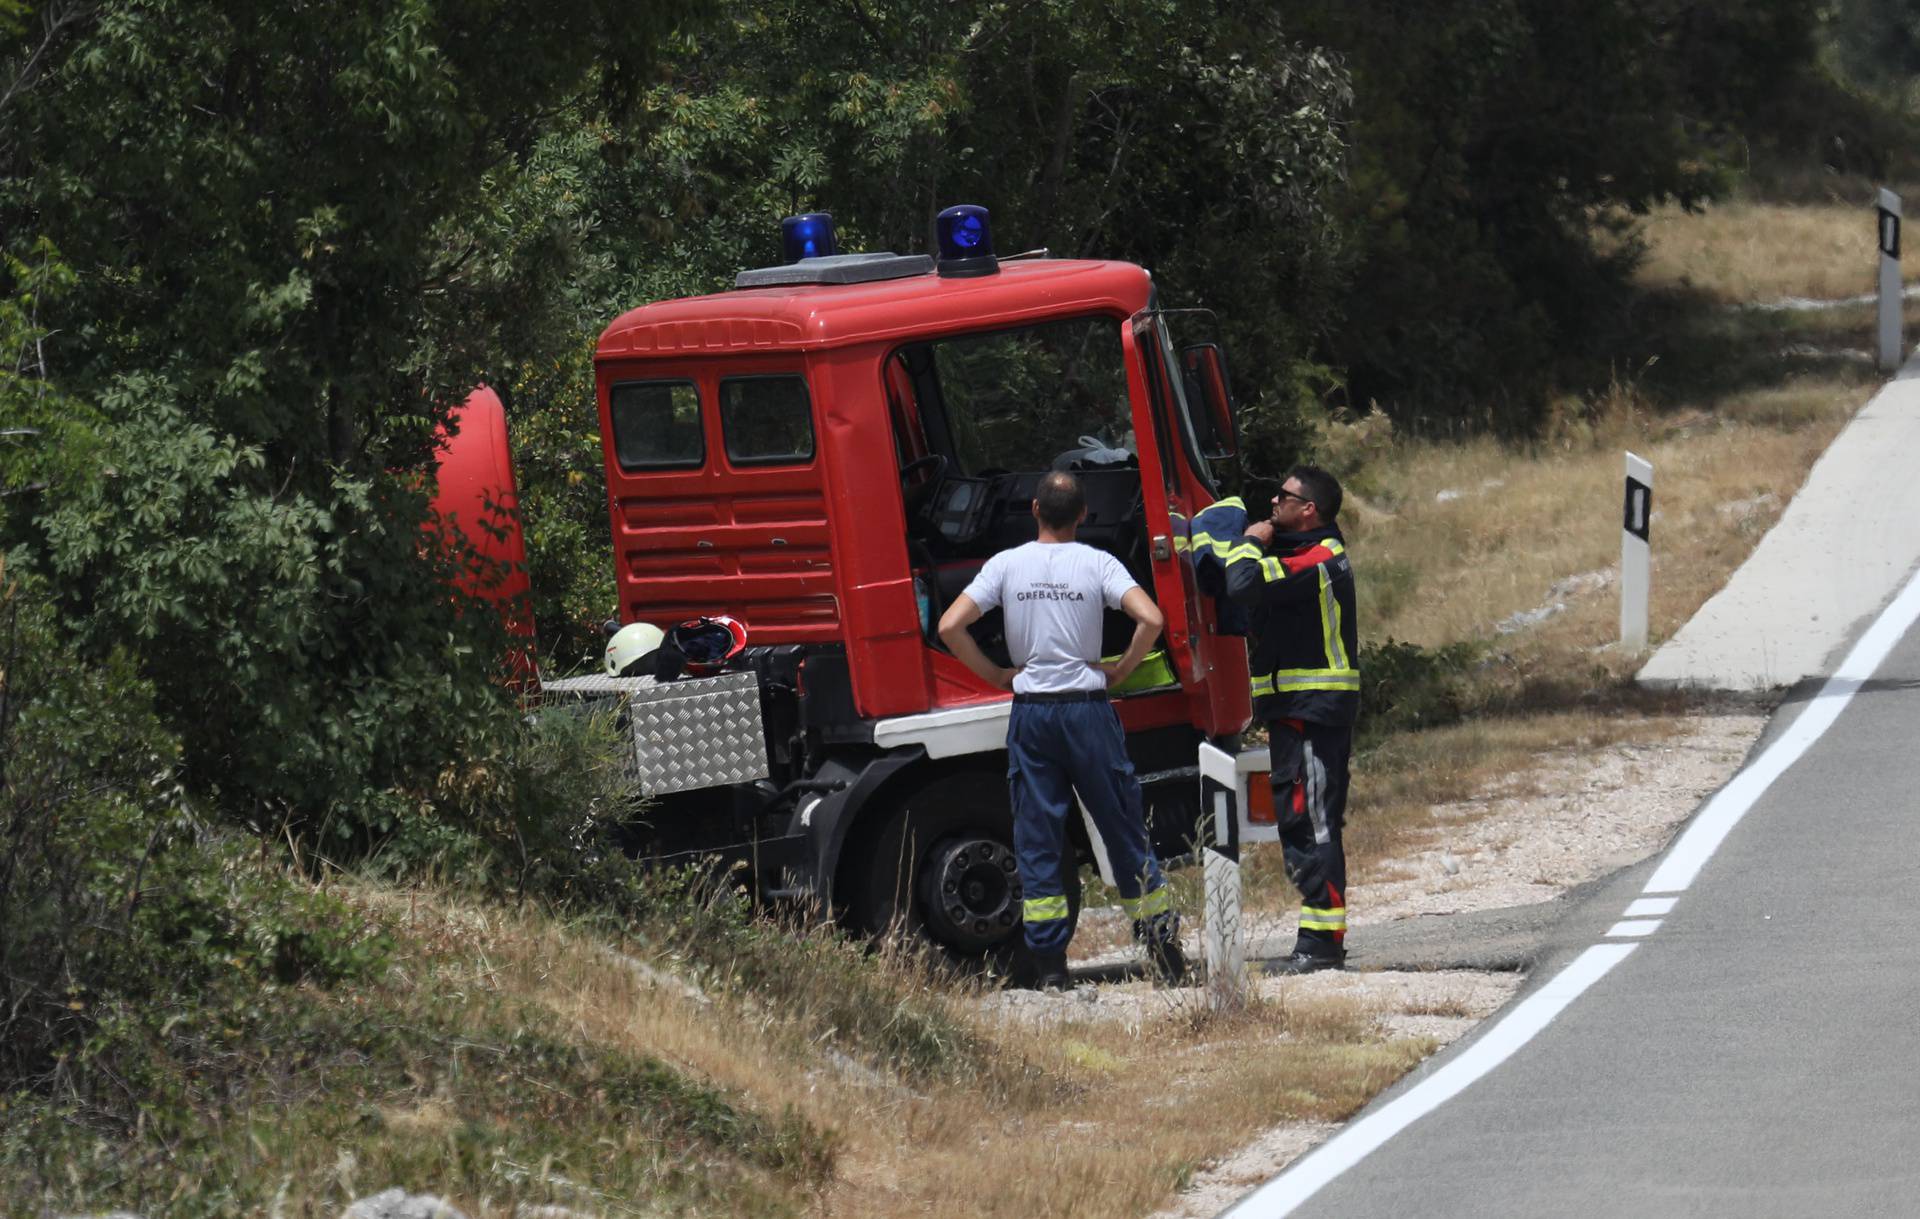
<point x="1059" y="501"/>
<point x="1321" y="487"/>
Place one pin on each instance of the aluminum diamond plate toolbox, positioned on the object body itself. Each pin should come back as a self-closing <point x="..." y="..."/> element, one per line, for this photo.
<point x="688" y="734"/>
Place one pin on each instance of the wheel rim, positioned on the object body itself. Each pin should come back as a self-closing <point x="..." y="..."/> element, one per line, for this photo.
<point x="969" y="892"/>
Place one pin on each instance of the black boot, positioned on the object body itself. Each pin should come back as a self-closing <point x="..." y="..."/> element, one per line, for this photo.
<point x="1309" y="960"/>
<point x="1043" y="971"/>
<point x="1166" y="963"/>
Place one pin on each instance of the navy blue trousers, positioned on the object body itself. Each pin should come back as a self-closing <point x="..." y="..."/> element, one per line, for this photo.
<point x="1054" y="750"/>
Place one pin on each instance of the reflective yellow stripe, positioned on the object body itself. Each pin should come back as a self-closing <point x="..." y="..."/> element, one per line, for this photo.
<point x="1044" y="909"/>
<point x="1334" y="650"/>
<point x="1288" y="680"/>
<point x="1232" y="501"/>
<point x="1315" y="919"/>
<point x="1224" y="550"/>
<point x="1157" y="902"/>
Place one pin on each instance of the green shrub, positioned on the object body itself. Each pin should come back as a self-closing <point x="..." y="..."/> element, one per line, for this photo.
<point x="546" y="797"/>
<point x="319" y="1096"/>
<point x="1404" y="686"/>
<point x="125" y="917"/>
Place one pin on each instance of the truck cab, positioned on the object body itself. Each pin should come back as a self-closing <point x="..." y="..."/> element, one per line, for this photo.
<point x="827" y="454"/>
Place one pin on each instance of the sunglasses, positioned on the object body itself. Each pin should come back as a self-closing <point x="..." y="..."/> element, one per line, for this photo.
<point x="1286" y="494"/>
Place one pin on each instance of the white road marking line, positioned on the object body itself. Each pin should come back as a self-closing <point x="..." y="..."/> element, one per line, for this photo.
<point x="1650" y="905"/>
<point x="1714" y="822"/>
<point x="1635" y="927"/>
<point x="1683" y="862"/>
<point x="1341" y="1152"/>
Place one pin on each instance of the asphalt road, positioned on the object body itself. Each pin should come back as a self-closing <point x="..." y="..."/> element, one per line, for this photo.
<point x="1756" y="1052"/>
<point x="1841" y="548"/>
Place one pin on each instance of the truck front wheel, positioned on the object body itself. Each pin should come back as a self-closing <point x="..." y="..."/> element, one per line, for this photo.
<point x="943" y="867"/>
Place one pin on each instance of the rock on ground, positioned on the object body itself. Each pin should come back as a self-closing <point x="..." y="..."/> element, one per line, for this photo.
<point x="399" y="1204"/>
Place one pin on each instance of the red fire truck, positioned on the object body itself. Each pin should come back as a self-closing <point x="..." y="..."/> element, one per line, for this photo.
<point x="827" y="454"/>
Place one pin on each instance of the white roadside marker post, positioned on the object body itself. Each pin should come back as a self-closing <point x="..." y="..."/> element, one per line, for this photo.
<point x="1635" y="562"/>
<point x="1226" y="781"/>
<point x="1890" y="294"/>
<point x="1223" y="945"/>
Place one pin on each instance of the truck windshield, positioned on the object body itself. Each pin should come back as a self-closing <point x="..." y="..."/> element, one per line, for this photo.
<point x="1020" y="399"/>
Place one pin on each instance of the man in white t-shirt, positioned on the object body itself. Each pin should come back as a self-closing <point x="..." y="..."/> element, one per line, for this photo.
<point x="1063" y="735"/>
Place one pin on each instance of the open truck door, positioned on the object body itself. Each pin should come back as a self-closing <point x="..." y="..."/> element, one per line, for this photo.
<point x="474" y="494"/>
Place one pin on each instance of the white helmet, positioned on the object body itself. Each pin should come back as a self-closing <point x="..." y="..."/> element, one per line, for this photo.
<point x="630" y="643"/>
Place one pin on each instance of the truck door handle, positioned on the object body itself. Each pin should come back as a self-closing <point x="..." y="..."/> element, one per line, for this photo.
<point x="1162" y="548"/>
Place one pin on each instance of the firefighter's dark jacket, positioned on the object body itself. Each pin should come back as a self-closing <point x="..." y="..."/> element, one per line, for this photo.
<point x="1303" y="644"/>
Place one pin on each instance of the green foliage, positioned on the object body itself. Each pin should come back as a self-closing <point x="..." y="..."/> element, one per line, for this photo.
<point x="563" y="502"/>
<point x="237" y="335"/>
<point x="1877" y="43"/>
<point x="1404" y="686"/>
<point x="308" y="637"/>
<point x="115" y="897"/>
<point x="544" y="800"/>
<point x="162" y="979"/>
<point x="310" y="1098"/>
<point x="1191" y="136"/>
<point x="1486" y="138"/>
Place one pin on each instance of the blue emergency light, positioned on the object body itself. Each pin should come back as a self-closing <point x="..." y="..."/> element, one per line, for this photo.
<point x="965" y="236"/>
<point x="808" y="235"/>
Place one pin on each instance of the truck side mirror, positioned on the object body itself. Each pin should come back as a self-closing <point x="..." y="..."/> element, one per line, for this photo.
<point x="1205" y="366"/>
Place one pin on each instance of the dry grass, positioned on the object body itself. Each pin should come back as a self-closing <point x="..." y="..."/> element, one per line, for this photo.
<point x="1739" y="252"/>
<point x="1457" y="539"/>
<point x="1515" y="552"/>
<point x="1117" y="1117"/>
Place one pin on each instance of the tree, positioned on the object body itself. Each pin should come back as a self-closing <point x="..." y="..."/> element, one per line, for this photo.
<point x="292" y="247"/>
<point x="1192" y="136"/>
<point x="1487" y="137"/>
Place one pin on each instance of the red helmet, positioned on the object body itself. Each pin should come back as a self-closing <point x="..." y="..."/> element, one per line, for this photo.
<point x="708" y="643"/>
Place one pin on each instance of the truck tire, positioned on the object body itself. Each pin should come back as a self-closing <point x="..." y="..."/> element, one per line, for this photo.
<point x="942" y="868"/>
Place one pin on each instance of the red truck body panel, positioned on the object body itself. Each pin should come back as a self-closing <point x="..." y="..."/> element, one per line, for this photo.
<point x="815" y="551"/>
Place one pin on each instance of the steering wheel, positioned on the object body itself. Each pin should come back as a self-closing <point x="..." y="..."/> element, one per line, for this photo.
<point x="916" y="496"/>
<point x="932" y="461"/>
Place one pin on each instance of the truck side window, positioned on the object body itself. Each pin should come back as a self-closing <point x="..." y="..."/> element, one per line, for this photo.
<point x="656" y="425"/>
<point x="766" y="420"/>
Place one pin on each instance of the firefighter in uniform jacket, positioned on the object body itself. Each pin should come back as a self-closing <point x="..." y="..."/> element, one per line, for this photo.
<point x="1292" y="576"/>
